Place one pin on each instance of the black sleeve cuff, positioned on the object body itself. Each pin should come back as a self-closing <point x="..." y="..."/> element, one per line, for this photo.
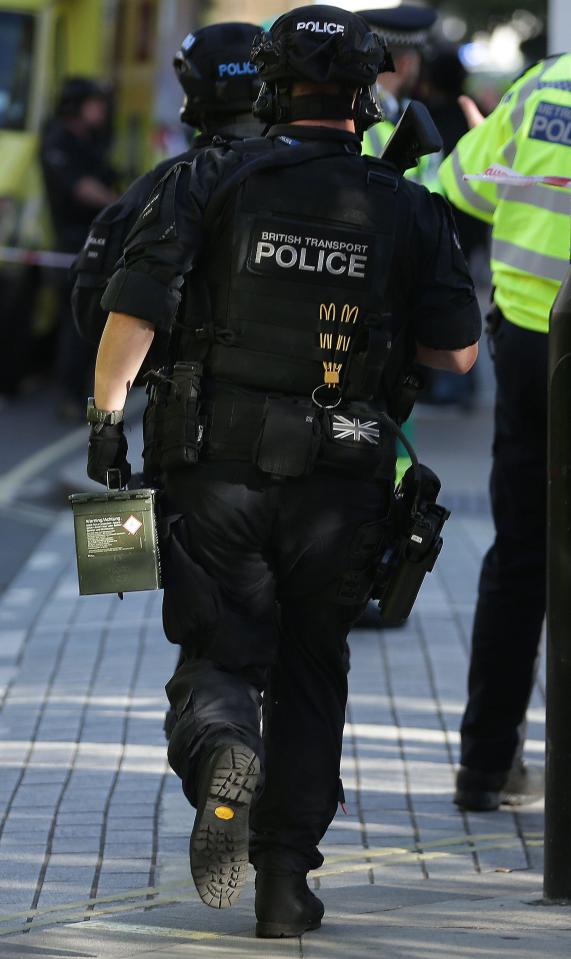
<point x="454" y="330"/>
<point x="141" y="295"/>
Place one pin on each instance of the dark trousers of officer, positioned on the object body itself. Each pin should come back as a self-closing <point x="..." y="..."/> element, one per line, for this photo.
<point x="252" y="573"/>
<point x="512" y="591"/>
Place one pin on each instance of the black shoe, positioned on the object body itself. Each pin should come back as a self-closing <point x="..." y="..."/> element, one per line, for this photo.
<point x="479" y="791"/>
<point x="219" y="840"/>
<point x="285" y="906"/>
<point x="170" y="722"/>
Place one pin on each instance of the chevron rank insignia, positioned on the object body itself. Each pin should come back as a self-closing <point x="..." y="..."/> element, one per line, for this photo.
<point x="345" y="428"/>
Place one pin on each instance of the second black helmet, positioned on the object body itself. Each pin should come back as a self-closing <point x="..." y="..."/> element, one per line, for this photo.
<point x="214" y="69"/>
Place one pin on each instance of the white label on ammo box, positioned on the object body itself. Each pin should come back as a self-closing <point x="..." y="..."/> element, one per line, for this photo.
<point x="109" y="534"/>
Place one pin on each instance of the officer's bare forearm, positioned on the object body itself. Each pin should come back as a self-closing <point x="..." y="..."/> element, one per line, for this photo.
<point x="123" y="347"/>
<point x="455" y="361"/>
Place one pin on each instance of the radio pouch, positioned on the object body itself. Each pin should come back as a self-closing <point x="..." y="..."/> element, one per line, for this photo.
<point x="289" y="439"/>
<point x="173" y="427"/>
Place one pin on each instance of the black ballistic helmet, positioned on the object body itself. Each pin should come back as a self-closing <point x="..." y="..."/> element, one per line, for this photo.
<point x="323" y="45"/>
<point x="214" y="69"/>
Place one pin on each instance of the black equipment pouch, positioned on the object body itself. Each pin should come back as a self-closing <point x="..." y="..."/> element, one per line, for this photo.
<point x="173" y="428"/>
<point x="405" y="395"/>
<point x="417" y="524"/>
<point x="289" y="439"/>
<point x="493" y="321"/>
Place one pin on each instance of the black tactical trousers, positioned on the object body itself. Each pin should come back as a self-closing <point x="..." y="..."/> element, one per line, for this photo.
<point x="512" y="591"/>
<point x="252" y="573"/>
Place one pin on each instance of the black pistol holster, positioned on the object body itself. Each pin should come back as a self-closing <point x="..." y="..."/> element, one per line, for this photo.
<point x="415" y="543"/>
<point x="172" y="427"/>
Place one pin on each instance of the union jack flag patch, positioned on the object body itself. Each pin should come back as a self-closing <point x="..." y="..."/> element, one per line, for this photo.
<point x="345" y="428"/>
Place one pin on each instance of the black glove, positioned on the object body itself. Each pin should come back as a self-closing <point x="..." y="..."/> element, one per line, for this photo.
<point x="107" y="451"/>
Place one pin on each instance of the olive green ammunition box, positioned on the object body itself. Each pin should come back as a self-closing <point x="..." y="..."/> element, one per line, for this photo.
<point x="116" y="541"/>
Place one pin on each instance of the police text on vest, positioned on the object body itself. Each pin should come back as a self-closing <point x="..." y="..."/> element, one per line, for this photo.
<point x="312" y="255"/>
<point x="552" y="123"/>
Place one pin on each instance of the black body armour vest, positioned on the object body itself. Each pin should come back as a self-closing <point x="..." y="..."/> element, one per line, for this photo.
<point x="296" y="267"/>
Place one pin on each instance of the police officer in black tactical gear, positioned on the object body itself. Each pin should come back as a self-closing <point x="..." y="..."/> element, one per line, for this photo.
<point x="320" y="275"/>
<point x="220" y="85"/>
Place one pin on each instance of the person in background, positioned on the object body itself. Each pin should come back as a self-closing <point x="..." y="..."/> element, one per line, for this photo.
<point x="405" y="30"/>
<point x="528" y="132"/>
<point x="79" y="181"/>
<point x="441" y="83"/>
<point x="220" y="84"/>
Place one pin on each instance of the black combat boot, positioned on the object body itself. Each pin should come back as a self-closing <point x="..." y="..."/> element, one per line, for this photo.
<point x="285" y="906"/>
<point x="219" y="840"/>
<point x="479" y="791"/>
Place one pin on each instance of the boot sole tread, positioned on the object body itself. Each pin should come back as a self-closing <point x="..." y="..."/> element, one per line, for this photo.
<point x="219" y="848"/>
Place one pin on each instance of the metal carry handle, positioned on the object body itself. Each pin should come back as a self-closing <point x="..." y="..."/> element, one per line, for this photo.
<point x="108" y="480"/>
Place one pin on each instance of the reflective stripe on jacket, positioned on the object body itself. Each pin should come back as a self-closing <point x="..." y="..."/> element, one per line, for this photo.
<point x="529" y="131"/>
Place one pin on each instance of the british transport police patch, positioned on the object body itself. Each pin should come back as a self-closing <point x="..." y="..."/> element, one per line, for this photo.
<point x="551" y="123"/>
<point x="283" y="249"/>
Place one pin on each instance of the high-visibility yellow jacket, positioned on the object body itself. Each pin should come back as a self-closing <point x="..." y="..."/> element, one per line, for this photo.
<point x="529" y="131"/>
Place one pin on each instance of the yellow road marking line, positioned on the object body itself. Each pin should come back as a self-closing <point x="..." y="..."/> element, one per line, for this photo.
<point x="465" y="840"/>
<point x="403" y="856"/>
<point x="89" y="903"/>
<point x="342" y="864"/>
<point x="161" y="931"/>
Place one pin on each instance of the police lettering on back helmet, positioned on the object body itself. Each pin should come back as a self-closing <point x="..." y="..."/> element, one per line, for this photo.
<point x="213" y="67"/>
<point x="271" y="433"/>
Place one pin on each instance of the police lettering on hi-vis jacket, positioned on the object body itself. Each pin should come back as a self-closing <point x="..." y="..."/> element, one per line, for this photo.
<point x="272" y="430"/>
<point x="530" y="132"/>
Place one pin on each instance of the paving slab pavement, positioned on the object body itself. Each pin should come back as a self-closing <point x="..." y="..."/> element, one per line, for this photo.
<point x="94" y="828"/>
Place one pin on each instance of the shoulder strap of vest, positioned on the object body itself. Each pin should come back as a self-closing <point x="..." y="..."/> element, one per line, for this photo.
<point x="385" y="176"/>
<point x="288" y="156"/>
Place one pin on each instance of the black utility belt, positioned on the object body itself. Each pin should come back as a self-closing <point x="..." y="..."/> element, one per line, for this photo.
<point x="290" y="436"/>
<point x="283" y="436"/>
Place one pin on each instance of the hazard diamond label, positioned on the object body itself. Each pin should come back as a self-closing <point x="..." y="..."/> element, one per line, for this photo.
<point x="132" y="525"/>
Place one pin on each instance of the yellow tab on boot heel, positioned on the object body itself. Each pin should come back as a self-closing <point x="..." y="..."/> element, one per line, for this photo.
<point x="224" y="812"/>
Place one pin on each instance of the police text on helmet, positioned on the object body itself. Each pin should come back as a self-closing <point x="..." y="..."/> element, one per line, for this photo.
<point x="244" y="69"/>
<point x="315" y="27"/>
